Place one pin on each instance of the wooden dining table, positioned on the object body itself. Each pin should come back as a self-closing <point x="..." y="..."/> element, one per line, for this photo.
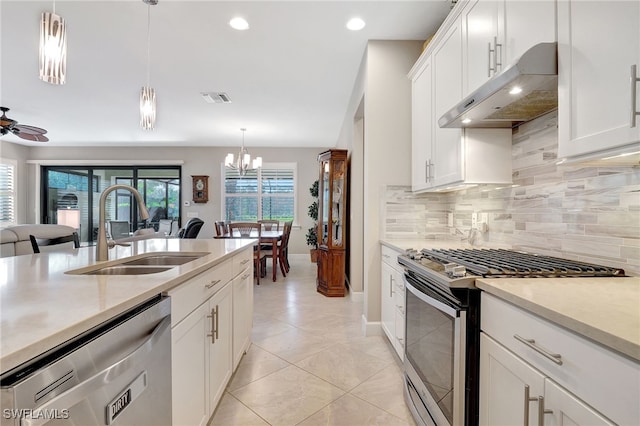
<point x="266" y="237"/>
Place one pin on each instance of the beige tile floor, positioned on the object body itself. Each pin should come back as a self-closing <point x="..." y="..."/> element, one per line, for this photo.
<point x="309" y="363"/>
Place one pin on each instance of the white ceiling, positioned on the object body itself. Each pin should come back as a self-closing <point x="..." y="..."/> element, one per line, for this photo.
<point x="290" y="76"/>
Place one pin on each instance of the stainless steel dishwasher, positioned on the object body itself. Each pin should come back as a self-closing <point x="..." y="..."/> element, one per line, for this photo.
<point x="118" y="373"/>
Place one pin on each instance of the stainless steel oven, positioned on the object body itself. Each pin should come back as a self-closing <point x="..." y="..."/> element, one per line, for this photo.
<point x="442" y="328"/>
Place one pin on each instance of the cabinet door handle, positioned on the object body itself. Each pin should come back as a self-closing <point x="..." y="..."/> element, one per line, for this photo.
<point x="212" y="283"/>
<point x="386" y="256"/>
<point x="557" y="358"/>
<point x="213" y="326"/>
<point x="426" y="171"/>
<point x="390" y="285"/>
<point x="541" y="410"/>
<point x="245" y="276"/>
<point x="634" y="94"/>
<point x="489" y="69"/>
<point x="217" y="321"/>
<point x="496" y="63"/>
<point x="244" y="262"/>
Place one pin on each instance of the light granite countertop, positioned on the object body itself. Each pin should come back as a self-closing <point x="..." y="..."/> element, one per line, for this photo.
<point x="41" y="306"/>
<point x="605" y="310"/>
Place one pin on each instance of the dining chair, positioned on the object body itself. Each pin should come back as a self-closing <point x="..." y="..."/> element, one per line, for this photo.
<point x="281" y="250"/>
<point x="270" y="225"/>
<point x="165" y="226"/>
<point x="244" y="231"/>
<point x="191" y="229"/>
<point x="221" y="227"/>
<point x="36" y="242"/>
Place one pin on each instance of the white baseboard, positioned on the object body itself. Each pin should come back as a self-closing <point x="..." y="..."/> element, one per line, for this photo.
<point x="373" y="328"/>
<point x="356" y="296"/>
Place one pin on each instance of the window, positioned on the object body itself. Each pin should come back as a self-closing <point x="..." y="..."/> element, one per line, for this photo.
<point x="7" y="193"/>
<point x="268" y="193"/>
<point x="81" y="187"/>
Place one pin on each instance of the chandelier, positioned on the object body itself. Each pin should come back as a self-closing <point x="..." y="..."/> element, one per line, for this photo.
<point x="53" y="48"/>
<point x="244" y="159"/>
<point x="148" y="93"/>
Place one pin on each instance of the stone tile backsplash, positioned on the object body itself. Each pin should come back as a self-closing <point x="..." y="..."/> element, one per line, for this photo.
<point x="579" y="212"/>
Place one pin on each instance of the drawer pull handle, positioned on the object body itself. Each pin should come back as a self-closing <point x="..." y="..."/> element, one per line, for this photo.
<point x="557" y="358"/>
<point x="386" y="256"/>
<point x="212" y="283"/>
<point x="245" y="276"/>
<point x="244" y="262"/>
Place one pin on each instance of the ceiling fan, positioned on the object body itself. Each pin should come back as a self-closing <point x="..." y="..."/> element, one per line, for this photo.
<point x="30" y="133"/>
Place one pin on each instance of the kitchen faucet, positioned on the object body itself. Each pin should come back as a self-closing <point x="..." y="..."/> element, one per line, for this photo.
<point x="103" y="246"/>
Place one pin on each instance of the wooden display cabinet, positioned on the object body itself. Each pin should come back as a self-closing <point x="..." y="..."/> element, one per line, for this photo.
<point x="332" y="217"/>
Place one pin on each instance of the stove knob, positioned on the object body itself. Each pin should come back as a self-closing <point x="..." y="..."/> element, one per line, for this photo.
<point x="448" y="268"/>
<point x="459" y="271"/>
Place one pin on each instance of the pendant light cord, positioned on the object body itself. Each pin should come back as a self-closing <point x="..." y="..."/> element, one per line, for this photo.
<point x="148" y="45"/>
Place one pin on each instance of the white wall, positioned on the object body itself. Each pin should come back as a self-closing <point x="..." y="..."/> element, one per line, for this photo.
<point x="199" y="161"/>
<point x="386" y="152"/>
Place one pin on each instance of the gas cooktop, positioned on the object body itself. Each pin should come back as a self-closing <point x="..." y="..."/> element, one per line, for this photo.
<point x="458" y="264"/>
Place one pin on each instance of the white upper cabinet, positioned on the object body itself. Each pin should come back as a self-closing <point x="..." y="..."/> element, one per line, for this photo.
<point x="448" y="158"/>
<point x="496" y="33"/>
<point x="421" y="127"/>
<point x="447" y="164"/>
<point x="598" y="44"/>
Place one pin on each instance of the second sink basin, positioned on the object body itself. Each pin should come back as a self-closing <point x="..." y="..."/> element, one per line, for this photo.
<point x="129" y="270"/>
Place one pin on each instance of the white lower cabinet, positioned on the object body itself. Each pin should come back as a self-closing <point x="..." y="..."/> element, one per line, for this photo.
<point x="513" y="392"/>
<point x="392" y="299"/>
<point x="219" y="339"/>
<point x="242" y="314"/>
<point x="189" y="361"/>
<point x="211" y="317"/>
<point x="569" y="380"/>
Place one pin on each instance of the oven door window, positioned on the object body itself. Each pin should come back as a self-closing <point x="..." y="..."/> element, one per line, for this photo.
<point x="430" y="335"/>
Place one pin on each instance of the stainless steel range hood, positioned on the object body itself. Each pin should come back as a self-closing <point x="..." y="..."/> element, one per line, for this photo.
<point x="527" y="89"/>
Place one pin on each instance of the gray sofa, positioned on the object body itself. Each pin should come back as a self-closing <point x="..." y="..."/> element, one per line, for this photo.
<point x="14" y="240"/>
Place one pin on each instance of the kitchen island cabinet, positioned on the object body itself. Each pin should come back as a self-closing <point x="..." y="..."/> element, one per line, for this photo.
<point x="596" y="103"/>
<point x="208" y="343"/>
<point x="573" y="357"/>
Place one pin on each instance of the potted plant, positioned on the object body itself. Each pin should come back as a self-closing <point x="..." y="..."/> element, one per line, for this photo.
<point x="312" y="233"/>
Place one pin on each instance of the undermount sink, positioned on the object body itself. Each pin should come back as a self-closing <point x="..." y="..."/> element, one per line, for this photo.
<point x="167" y="260"/>
<point x="128" y="270"/>
<point x="152" y="263"/>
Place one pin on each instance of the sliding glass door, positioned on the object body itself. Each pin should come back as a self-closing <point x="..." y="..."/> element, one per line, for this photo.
<point x="71" y="196"/>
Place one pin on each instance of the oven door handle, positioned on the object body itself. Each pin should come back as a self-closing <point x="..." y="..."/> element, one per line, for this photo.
<point x="452" y="312"/>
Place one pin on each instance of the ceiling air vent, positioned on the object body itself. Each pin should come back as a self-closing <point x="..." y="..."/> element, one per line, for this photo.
<point x="215" y="97"/>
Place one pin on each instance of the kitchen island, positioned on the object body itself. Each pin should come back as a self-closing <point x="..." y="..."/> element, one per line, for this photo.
<point x="42" y="306"/>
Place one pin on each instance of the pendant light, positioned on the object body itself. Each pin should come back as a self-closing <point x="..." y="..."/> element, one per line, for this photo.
<point x="53" y="48"/>
<point x="148" y="93"/>
<point x="243" y="160"/>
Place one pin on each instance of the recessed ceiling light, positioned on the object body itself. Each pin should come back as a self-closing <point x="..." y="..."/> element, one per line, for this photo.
<point x="355" y="24"/>
<point x="239" y="24"/>
<point x="466" y="121"/>
<point x="515" y="90"/>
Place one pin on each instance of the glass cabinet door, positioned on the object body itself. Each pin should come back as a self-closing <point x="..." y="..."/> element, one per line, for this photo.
<point x="326" y="203"/>
<point x="337" y="206"/>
